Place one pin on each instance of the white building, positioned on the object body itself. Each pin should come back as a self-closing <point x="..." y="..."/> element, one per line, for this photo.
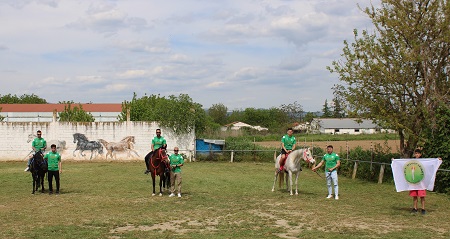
<point x="238" y="125"/>
<point x="346" y="126"/>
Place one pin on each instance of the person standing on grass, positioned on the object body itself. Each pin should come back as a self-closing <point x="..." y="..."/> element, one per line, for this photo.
<point x="415" y="194"/>
<point x="288" y="142"/>
<point x="157" y="142"/>
<point x="54" y="168"/>
<point x="176" y="162"/>
<point x="38" y="144"/>
<point x="332" y="162"/>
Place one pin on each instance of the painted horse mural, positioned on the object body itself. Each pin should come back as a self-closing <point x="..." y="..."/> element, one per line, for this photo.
<point x="125" y="145"/>
<point x="84" y="144"/>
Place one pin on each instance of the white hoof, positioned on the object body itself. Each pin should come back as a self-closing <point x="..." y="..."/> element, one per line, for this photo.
<point x="153" y="194"/>
<point x="273" y="190"/>
<point x="160" y="194"/>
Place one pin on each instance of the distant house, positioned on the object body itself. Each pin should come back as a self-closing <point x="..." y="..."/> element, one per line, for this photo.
<point x="345" y="126"/>
<point x="238" y="125"/>
<point x="44" y="112"/>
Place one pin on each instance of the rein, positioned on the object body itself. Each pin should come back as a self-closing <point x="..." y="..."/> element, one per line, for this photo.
<point x="160" y="157"/>
<point x="305" y="156"/>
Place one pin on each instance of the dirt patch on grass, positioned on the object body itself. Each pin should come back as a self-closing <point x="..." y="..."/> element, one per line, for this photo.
<point x="341" y="145"/>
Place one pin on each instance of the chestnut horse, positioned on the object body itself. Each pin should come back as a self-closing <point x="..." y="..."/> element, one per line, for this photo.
<point x="157" y="167"/>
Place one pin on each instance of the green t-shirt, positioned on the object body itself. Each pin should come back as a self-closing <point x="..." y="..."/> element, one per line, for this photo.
<point x="158" y="142"/>
<point x="53" y="159"/>
<point x="330" y="160"/>
<point x="174" y="160"/>
<point x="288" y="142"/>
<point x="39" y="143"/>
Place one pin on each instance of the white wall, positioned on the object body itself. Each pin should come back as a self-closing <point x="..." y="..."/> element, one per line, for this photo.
<point x="14" y="136"/>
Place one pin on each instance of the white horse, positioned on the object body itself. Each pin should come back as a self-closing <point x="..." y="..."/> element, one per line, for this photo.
<point x="291" y="166"/>
<point x="60" y="144"/>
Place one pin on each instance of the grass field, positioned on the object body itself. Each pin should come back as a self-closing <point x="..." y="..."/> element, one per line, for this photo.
<point x="220" y="200"/>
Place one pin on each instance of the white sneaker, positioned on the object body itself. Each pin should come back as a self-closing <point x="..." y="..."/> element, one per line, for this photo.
<point x="27" y="169"/>
<point x="179" y="195"/>
<point x="330" y="196"/>
<point x="172" y="195"/>
<point x="337" y="197"/>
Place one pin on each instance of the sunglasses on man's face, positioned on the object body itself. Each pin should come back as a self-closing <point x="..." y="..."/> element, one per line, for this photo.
<point x="175" y="150"/>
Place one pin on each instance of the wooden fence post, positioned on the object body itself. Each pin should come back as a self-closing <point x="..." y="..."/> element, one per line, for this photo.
<point x="380" y="176"/>
<point x="232" y="156"/>
<point x="355" y="167"/>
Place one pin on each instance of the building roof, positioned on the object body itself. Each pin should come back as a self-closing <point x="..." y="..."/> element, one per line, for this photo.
<point x="345" y="123"/>
<point x="59" y="107"/>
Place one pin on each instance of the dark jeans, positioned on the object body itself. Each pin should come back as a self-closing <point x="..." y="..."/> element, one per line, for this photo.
<point x="50" y="177"/>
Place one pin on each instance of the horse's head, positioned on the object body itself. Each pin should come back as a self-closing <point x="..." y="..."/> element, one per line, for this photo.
<point x="162" y="153"/>
<point x="307" y="156"/>
<point x="31" y="137"/>
<point x="38" y="162"/>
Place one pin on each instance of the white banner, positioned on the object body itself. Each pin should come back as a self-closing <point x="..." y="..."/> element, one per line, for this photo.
<point x="415" y="174"/>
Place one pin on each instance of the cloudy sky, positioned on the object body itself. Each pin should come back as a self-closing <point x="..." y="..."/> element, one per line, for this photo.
<point x="241" y="53"/>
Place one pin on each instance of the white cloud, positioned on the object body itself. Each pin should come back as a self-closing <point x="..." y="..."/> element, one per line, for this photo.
<point x="240" y="53"/>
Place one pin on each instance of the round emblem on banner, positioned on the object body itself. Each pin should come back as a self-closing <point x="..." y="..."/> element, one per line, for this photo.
<point x="414" y="172"/>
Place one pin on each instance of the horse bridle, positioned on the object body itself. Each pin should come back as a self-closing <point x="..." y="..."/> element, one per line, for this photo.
<point x="161" y="157"/>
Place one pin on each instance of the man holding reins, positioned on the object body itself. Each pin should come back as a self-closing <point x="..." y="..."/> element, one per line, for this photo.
<point x="288" y="143"/>
<point x="38" y="144"/>
<point x="157" y="142"/>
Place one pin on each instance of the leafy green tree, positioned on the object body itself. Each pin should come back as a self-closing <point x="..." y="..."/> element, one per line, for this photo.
<point x="338" y="110"/>
<point x="326" y="110"/>
<point x="178" y="113"/>
<point x="273" y="118"/>
<point x="1" y="117"/>
<point x="309" y="116"/>
<point x="294" y="111"/>
<point x="438" y="145"/>
<point x="236" y="115"/>
<point x="75" y="113"/>
<point x="397" y="76"/>
<point x="218" y="113"/>
<point x="23" y="99"/>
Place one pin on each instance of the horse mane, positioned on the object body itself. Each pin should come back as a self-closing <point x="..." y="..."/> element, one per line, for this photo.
<point x="80" y="136"/>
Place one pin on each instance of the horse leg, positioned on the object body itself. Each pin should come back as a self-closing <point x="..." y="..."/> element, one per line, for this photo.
<point x="290" y="182"/>
<point x="34" y="183"/>
<point x="161" y="179"/>
<point x="275" y="180"/>
<point x="296" y="182"/>
<point x="153" y="181"/>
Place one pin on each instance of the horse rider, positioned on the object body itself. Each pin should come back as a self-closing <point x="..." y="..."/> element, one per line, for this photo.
<point x="157" y="142"/>
<point x="38" y="144"/>
<point x="288" y="142"/>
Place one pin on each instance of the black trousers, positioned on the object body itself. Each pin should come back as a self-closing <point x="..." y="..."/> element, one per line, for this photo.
<point x="50" y="178"/>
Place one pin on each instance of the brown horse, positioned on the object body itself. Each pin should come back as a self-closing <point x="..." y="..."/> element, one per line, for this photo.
<point x="157" y="167"/>
<point x="126" y="144"/>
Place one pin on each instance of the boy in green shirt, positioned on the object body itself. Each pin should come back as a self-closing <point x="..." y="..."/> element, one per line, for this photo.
<point x="54" y="168"/>
<point x="288" y="142"/>
<point x="332" y="162"/>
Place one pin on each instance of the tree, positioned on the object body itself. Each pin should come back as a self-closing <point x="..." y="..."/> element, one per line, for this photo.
<point x="326" y="110"/>
<point x="397" y="75"/>
<point x="218" y="113"/>
<point x="338" y="110"/>
<point x="178" y="113"/>
<point x="309" y="116"/>
<point x="75" y="114"/>
<point x="294" y="111"/>
<point x="23" y="99"/>
<point x="438" y="145"/>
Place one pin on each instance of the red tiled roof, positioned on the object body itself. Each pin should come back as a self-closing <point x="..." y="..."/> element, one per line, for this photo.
<point x="59" y="107"/>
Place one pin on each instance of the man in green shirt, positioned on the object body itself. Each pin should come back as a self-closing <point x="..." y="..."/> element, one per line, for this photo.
<point x="38" y="144"/>
<point x="176" y="162"/>
<point x="54" y="168"/>
<point x="288" y="142"/>
<point x="332" y="162"/>
<point x="157" y="142"/>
